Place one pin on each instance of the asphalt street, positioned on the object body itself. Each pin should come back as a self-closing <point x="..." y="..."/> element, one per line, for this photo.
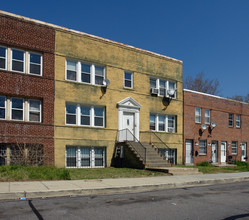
<point x="226" y="201"/>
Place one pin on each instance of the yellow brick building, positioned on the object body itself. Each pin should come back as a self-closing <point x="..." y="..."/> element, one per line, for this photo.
<point x="101" y="87"/>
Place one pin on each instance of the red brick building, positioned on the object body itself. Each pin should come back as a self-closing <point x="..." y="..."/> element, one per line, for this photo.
<point x="26" y="89"/>
<point x="216" y="129"/>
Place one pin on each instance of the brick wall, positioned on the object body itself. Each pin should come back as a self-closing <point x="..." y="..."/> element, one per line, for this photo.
<point x="29" y="36"/>
<point x="219" y="108"/>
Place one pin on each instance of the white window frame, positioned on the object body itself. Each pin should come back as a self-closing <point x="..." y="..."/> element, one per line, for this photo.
<point x="11" y="61"/>
<point x="4" y="108"/>
<point x="165" y="87"/>
<point x="166" y="123"/>
<point x="130" y="80"/>
<point x="204" y="147"/>
<point x="41" y="66"/>
<point x="11" y="108"/>
<point x="238" y="121"/>
<point x="207" y="116"/>
<point x="6" y="56"/>
<point x="40" y="110"/>
<point x="79" y="72"/>
<point x="198" y="115"/>
<point x="78" y="115"/>
<point x="230" y="119"/>
<point x="234" y="147"/>
<point x="91" y="155"/>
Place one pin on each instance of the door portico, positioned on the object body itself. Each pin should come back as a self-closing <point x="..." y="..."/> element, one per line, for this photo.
<point x="128" y="117"/>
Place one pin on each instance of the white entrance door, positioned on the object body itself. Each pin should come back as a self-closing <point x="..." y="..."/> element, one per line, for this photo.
<point x="189" y="152"/>
<point x="243" y="151"/>
<point x="214" y="151"/>
<point x="223" y="155"/>
<point x="128" y="123"/>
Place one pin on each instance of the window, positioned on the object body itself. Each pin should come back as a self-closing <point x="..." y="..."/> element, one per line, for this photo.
<point x="237" y="121"/>
<point x="203" y="147"/>
<point x="152" y="122"/>
<point x="84" y="72"/>
<point x="17" y="109"/>
<point x="71" y="70"/>
<point x="35" y="110"/>
<point x="18" y="60"/>
<point x="128" y="80"/>
<point x="71" y="156"/>
<point x="85" y="157"/>
<point x="165" y="123"/>
<point x="35" y="64"/>
<point x="230" y="120"/>
<point x="85" y="115"/>
<point x="170" y="154"/>
<point x="165" y="87"/>
<point x="197" y="115"/>
<point x="3" y="155"/>
<point x="234" y="147"/>
<point x="88" y="115"/>
<point x="2" y="107"/>
<point x="3" y="59"/>
<point x="207" y="116"/>
<point x="70" y="114"/>
<point x="99" y="75"/>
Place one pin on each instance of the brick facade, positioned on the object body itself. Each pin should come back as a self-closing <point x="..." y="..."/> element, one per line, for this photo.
<point x="222" y="133"/>
<point x="29" y="36"/>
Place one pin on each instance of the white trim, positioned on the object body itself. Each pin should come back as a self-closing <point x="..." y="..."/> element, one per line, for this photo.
<point x="214" y="96"/>
<point x="89" y="35"/>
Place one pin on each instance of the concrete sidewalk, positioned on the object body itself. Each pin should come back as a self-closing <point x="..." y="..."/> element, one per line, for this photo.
<point x="40" y="189"/>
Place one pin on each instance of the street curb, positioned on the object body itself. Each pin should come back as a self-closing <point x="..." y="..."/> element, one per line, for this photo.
<point x="115" y="190"/>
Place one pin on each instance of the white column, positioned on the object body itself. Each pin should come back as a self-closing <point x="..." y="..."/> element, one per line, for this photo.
<point x="137" y="125"/>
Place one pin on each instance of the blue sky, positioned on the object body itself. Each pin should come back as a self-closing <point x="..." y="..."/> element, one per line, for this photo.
<point x="210" y="36"/>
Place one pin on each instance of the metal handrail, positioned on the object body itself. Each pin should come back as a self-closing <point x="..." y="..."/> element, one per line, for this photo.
<point x="141" y="151"/>
<point x="159" y="140"/>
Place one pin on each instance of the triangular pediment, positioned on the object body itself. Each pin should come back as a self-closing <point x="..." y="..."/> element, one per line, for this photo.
<point x="129" y="103"/>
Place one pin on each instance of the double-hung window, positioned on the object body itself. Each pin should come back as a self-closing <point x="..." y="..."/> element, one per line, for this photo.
<point x="237" y="121"/>
<point x="128" y="80"/>
<point x="84" y="72"/>
<point x="77" y="114"/>
<point x="17" y="109"/>
<point x="207" y="116"/>
<point x="234" y="147"/>
<point x="71" y="114"/>
<point x="2" y="107"/>
<point x="71" y="70"/>
<point x="163" y="87"/>
<point x="230" y="120"/>
<point x="35" y="110"/>
<point x="203" y="147"/>
<point x="197" y="115"/>
<point x="3" y="58"/>
<point x="85" y="157"/>
<point x="18" y="57"/>
<point x="164" y="123"/>
<point x="35" y="64"/>
<point x="99" y="75"/>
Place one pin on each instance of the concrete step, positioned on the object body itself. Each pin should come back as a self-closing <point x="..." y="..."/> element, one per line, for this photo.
<point x="177" y="170"/>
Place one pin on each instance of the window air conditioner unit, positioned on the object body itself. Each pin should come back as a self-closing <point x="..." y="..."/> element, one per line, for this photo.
<point x="171" y="130"/>
<point x="154" y="91"/>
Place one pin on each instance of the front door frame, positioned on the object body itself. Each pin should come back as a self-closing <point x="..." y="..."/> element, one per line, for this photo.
<point x="191" y="155"/>
<point x="129" y="105"/>
<point x="225" y="156"/>
<point x="243" y="144"/>
<point x="214" y="153"/>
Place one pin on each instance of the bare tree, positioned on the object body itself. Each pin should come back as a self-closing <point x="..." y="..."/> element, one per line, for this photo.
<point x="241" y="98"/>
<point x="201" y="84"/>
